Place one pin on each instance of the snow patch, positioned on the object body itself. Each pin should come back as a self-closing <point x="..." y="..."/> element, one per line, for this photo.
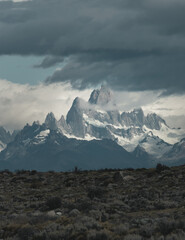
<point x="98" y="123"/>
<point x="41" y="137"/>
<point x="129" y="144"/>
<point x="167" y="134"/>
<point x="93" y="122"/>
<point x="27" y="141"/>
<point x="2" y="146"/>
<point x="155" y="146"/>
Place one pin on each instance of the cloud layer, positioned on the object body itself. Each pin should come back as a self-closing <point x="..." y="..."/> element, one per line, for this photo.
<point x="21" y="104"/>
<point x="131" y="45"/>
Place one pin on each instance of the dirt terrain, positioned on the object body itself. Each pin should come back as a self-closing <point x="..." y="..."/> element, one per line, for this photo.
<point x="96" y="205"/>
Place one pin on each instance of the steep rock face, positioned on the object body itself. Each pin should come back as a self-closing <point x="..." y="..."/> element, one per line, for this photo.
<point x="75" y="118"/>
<point x="29" y="132"/>
<point x="134" y="118"/>
<point x="63" y="126"/>
<point x="15" y="132"/>
<point x="101" y="96"/>
<point x="5" y="136"/>
<point x="153" y="121"/>
<point x="137" y="118"/>
<point x="115" y="117"/>
<point x="99" y="132"/>
<point x="52" y="124"/>
<point x="21" y="140"/>
<point x="51" y="121"/>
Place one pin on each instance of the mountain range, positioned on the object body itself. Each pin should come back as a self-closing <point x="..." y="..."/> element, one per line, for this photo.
<point x="93" y="135"/>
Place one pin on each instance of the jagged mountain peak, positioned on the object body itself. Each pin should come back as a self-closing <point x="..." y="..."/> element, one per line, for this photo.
<point x="96" y="119"/>
<point x="29" y="131"/>
<point x="76" y="101"/>
<point x="154" y="121"/>
<point x="138" y="110"/>
<point x="62" y="118"/>
<point x="5" y="136"/>
<point x="74" y="117"/>
<point x="51" y="121"/>
<point x="135" y="111"/>
<point x="101" y="96"/>
<point x="50" y="115"/>
<point x="36" y="123"/>
<point x="135" y="117"/>
<point x="139" y="151"/>
<point x="79" y="103"/>
<point x="150" y="136"/>
<point x="154" y="145"/>
<point x="2" y="128"/>
<point x="63" y="126"/>
<point x="176" y="155"/>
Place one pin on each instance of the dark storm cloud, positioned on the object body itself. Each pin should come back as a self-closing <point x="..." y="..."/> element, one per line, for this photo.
<point x="49" y="61"/>
<point x="147" y="73"/>
<point x="131" y="45"/>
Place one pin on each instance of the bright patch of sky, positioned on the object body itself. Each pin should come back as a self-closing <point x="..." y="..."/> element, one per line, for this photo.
<point x="21" y="70"/>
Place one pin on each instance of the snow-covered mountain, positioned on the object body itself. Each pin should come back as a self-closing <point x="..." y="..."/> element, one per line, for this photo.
<point x="101" y="96"/>
<point x="154" y="145"/>
<point x="93" y="127"/>
<point x="99" y="119"/>
<point x="5" y="138"/>
<point x="37" y="147"/>
<point x="176" y="155"/>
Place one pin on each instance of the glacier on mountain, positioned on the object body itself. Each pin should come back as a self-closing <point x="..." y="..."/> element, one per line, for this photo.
<point x="95" y="120"/>
<point x="147" y="137"/>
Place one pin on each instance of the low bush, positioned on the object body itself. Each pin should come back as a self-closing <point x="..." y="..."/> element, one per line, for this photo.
<point x="95" y="192"/>
<point x="98" y="235"/>
<point x="26" y="232"/>
<point x="166" y="226"/>
<point x="160" y="167"/>
<point x="53" y="203"/>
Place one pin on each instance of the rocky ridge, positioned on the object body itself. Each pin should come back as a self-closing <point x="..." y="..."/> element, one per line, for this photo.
<point x="99" y="119"/>
<point x="144" y="139"/>
<point x="40" y="148"/>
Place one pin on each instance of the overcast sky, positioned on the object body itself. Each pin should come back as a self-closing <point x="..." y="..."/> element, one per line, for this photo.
<point x="135" y="47"/>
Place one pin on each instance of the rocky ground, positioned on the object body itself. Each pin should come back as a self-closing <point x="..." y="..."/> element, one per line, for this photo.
<point x="108" y="204"/>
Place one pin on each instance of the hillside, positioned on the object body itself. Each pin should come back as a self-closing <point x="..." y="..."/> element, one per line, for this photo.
<point x="107" y="204"/>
